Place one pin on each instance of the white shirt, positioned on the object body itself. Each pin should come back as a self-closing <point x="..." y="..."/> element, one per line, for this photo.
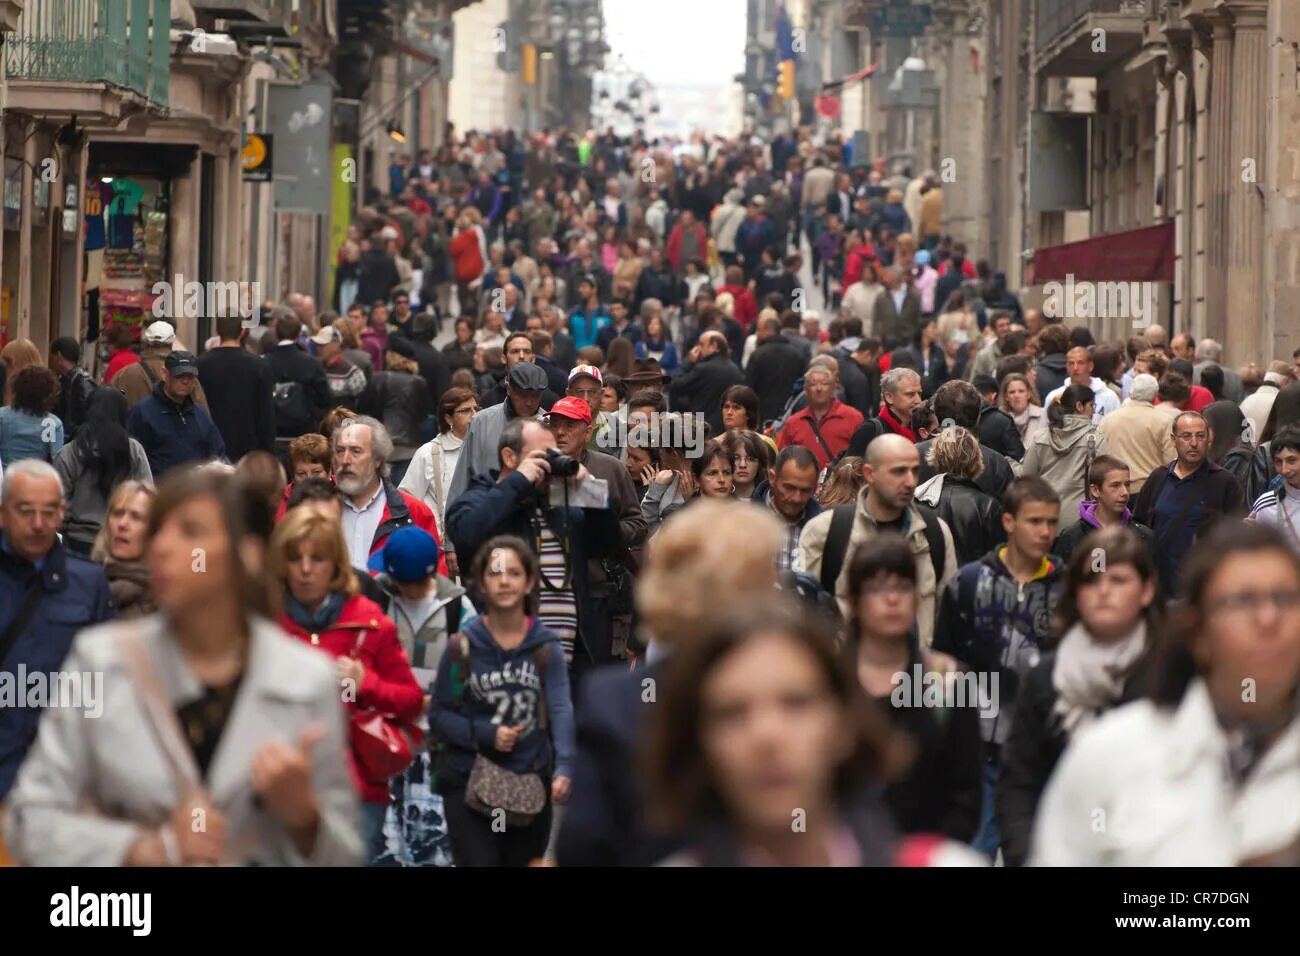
<point x="360" y="525"/>
<point x="1104" y="399"/>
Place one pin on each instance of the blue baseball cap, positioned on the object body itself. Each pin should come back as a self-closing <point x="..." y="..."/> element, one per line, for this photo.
<point x="409" y="554"/>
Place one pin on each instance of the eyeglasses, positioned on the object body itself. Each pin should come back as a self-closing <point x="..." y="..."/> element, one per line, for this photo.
<point x="1286" y="600"/>
<point x="585" y="392"/>
<point x="1192" y="436"/>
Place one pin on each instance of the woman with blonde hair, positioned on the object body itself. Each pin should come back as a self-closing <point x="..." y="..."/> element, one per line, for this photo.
<point x="120" y="547"/>
<point x="323" y="607"/>
<point x="14" y="357"/>
<point x="1019" y="399"/>
<point x="843" y="483"/>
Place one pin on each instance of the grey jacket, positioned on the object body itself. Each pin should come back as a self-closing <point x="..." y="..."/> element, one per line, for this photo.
<point x="479" y="454"/>
<point x="1060" y="456"/>
<point x="87" y="505"/>
<point x="425" y="641"/>
<point x="89" y="787"/>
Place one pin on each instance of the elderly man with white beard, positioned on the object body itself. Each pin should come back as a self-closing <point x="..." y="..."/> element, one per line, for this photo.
<point x="373" y="507"/>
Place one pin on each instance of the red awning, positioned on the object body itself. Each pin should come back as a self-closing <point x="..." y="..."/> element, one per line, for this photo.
<point x="1139" y="255"/>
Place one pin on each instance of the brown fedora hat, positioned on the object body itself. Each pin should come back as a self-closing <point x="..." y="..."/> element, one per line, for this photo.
<point x="647" y="372"/>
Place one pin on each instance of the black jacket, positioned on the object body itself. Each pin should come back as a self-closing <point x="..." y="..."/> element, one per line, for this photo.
<point x="379" y="276"/>
<point x="771" y="372"/>
<point x="75" y="388"/>
<point x="1050" y="374"/>
<point x="401" y="401"/>
<point x="291" y="364"/>
<point x="240" y="387"/>
<point x="938" y="372"/>
<point x="433" y="369"/>
<point x="1221" y="497"/>
<point x="1260" y="474"/>
<point x="858" y="392"/>
<point x="556" y="377"/>
<point x="995" y="478"/>
<point x="488" y="508"/>
<point x="661" y="285"/>
<point x="1071" y="536"/>
<point x="458" y="356"/>
<point x="998" y="431"/>
<point x="974" y="516"/>
<point x="1031" y="752"/>
<point x="699" y="388"/>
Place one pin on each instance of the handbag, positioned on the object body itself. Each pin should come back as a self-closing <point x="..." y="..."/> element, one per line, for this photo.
<point x="383" y="744"/>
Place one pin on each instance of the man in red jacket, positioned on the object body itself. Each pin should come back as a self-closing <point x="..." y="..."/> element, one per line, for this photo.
<point x="826" y="424"/>
<point x="373" y="507"/>
<point x="687" y="241"/>
<point x="746" y="309"/>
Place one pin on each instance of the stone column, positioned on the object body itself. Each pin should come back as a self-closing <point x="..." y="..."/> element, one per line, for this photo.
<point x="1244" y="314"/>
<point x="1282" y="216"/>
<point x="1219" y="169"/>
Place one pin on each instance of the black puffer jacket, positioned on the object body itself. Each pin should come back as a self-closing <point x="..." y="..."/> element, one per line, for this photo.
<point x="1259" y="474"/>
<point x="401" y="401"/>
<point x="974" y="515"/>
<point x="998" y="431"/>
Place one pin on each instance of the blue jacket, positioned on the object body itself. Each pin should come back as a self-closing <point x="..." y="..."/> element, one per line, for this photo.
<point x="173" y="434"/>
<point x="76" y="596"/>
<point x="23" y="435"/>
<point x="608" y="334"/>
<point x="504" y="686"/>
<point x="585" y="324"/>
<point x="488" y="508"/>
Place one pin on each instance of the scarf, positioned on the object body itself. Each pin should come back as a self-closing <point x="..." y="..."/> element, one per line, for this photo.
<point x="1089" y="676"/>
<point x="319" y="620"/>
<point x="128" y="582"/>
<point x="1022" y="419"/>
<point x="895" y="425"/>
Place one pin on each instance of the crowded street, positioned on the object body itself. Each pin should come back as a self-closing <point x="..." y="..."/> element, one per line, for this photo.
<point x="844" y="440"/>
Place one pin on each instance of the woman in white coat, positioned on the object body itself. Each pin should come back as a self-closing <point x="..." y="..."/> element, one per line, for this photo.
<point x="1206" y="771"/>
<point x="217" y="738"/>
<point x="429" y="475"/>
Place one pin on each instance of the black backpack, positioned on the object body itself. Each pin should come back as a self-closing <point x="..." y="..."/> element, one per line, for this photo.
<point x="836" y="549"/>
<point x="292" y="405"/>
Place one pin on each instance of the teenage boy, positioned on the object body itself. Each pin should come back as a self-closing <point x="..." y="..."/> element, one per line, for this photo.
<point x="995" y="615"/>
<point x="1281" y="508"/>
<point x="1108" y="491"/>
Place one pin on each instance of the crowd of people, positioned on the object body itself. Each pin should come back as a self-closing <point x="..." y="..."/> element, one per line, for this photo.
<point x="650" y="562"/>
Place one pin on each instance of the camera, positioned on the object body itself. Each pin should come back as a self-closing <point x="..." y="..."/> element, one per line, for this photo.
<point x="562" y="465"/>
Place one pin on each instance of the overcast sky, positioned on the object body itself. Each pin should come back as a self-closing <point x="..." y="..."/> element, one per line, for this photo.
<point x="697" y="42"/>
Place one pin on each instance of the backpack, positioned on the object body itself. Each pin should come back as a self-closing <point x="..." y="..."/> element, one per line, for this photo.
<point x="837" y="544"/>
<point x="291" y="403"/>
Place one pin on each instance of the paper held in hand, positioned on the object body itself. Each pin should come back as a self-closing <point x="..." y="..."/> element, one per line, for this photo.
<point x="589" y="493"/>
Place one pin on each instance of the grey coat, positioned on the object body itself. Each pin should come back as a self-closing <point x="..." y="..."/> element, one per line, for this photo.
<point x="89" y="787"/>
<point x="87" y="505"/>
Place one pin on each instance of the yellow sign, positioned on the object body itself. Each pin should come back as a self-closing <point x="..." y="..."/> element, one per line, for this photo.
<point x="254" y="151"/>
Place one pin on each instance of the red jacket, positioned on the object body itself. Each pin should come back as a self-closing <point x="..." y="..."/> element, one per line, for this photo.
<point x="1201" y="396"/>
<point x="746" y="310"/>
<point x="388" y="684"/>
<point x="858" y="257"/>
<point x="673" y="249"/>
<point x="118" y="362"/>
<point x="466" y="255"/>
<point x="837" y="428"/>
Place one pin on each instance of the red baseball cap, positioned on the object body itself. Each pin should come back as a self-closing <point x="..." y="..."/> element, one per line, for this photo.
<point x="575" y="408"/>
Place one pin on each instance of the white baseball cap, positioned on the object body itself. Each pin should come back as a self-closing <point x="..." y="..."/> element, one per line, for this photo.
<point x="160" y="333"/>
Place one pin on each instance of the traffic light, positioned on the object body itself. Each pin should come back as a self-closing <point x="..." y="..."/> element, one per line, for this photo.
<point x="785" y="80"/>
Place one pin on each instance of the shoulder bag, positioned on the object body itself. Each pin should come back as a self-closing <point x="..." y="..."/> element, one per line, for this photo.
<point x="383" y="744"/>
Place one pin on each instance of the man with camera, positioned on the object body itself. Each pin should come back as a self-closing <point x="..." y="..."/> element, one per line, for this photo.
<point x="517" y="501"/>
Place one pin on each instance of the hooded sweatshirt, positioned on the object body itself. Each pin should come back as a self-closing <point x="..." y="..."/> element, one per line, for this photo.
<point x="504" y="686"/>
<point x="997" y="626"/>
<point x="1061" y="457"/>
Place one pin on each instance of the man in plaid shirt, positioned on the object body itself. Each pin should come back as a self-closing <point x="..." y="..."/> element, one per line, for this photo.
<point x="788" y="491"/>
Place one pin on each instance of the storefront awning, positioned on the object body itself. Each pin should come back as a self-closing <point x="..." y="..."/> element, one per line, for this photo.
<point x="1139" y="255"/>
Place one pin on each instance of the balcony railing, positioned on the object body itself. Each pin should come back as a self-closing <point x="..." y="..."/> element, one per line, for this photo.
<point x="93" y="41"/>
<point x="1056" y="16"/>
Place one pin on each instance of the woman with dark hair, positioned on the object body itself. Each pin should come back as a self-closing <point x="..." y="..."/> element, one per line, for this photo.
<point x="501" y="711"/>
<point x="931" y="362"/>
<point x="28" y="426"/>
<point x="767" y="727"/>
<point x="209" y="711"/>
<point x="941" y="791"/>
<point x="673" y="484"/>
<point x="99" y="458"/>
<point x="1262" y="475"/>
<point x="1062" y="452"/>
<point x="713" y="471"/>
<point x="1108" y="365"/>
<point x="750" y="460"/>
<point x="459" y="352"/>
<point x="1205" y="772"/>
<point x="1229" y="447"/>
<point x="1212" y="381"/>
<point x="1107" y="621"/>
<point x="621" y="358"/>
<point x="434" y="462"/>
<point x="740" y="410"/>
<point x="657" y="343"/>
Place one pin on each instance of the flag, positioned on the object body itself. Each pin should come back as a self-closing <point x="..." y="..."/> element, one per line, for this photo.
<point x="784" y="35"/>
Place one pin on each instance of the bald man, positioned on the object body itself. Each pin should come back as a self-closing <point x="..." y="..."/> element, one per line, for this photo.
<point x="1078" y="369"/>
<point x="891" y="471"/>
<point x="699" y="389"/>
